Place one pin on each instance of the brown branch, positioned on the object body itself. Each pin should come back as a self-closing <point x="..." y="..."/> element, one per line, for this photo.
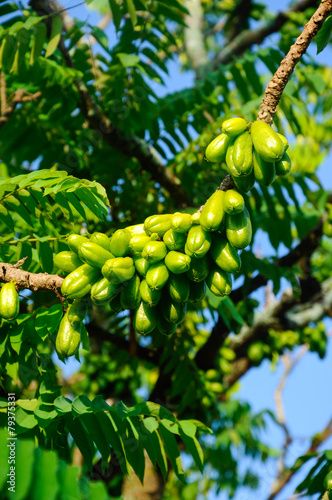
<point x="248" y="38"/>
<point x="18" y="98"/>
<point x="276" y="86"/>
<point x="3" y="92"/>
<point x="30" y="281"/>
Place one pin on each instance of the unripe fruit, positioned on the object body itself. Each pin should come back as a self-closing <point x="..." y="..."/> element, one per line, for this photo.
<point x="79" y="282"/>
<point x="238" y="229"/>
<point x="68" y="338"/>
<point x="141" y="265"/>
<point x="265" y="172"/>
<point x="149" y="296"/>
<point x="245" y="183"/>
<point x="77" y="312"/>
<point x="235" y="172"/>
<point x="115" y="304"/>
<point x="74" y="241"/>
<point x="118" y="270"/>
<point x="219" y="282"/>
<point x="284" y="140"/>
<point x="213" y="211"/>
<point x="267" y="142"/>
<point x="174" y="240"/>
<point x="67" y="261"/>
<point x="157" y="276"/>
<point x="197" y="291"/>
<point x="120" y="242"/>
<point x="198" y="242"/>
<point x="102" y="240"/>
<point x="242" y="153"/>
<point x="103" y="291"/>
<point x="157" y="224"/>
<point x="283" y="166"/>
<point x="199" y="269"/>
<point x="256" y="352"/>
<point x="145" y="319"/>
<point x="178" y="287"/>
<point x="328" y="481"/>
<point x="225" y="256"/>
<point x="173" y="312"/>
<point x="196" y="218"/>
<point x="177" y="262"/>
<point x="234" y="126"/>
<point x="181" y="223"/>
<point x="130" y="296"/>
<point x="138" y="242"/>
<point x="9" y="302"/>
<point x="216" y="150"/>
<point x="154" y="251"/>
<point x="136" y="230"/>
<point x="164" y="327"/>
<point x="233" y="202"/>
<point x="93" y="254"/>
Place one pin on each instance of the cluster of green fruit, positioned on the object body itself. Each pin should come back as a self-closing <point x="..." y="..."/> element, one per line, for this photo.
<point x="9" y="302"/>
<point x="155" y="268"/>
<point x="252" y="151"/>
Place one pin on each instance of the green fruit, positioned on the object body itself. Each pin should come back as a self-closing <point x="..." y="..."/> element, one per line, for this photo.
<point x="9" y="301"/>
<point x="245" y="183"/>
<point x="77" y="312"/>
<point x="173" y="312"/>
<point x="238" y="229"/>
<point x="181" y="223"/>
<point x="165" y="327"/>
<point x="199" y="269"/>
<point x="242" y="153"/>
<point x="328" y="481"/>
<point x="149" y="296"/>
<point x="196" y="218"/>
<point x="67" y="261"/>
<point x="68" y="338"/>
<point x="256" y="352"/>
<point x="103" y="291"/>
<point x="74" y="241"/>
<point x="219" y="282"/>
<point x="230" y="160"/>
<point x="154" y="251"/>
<point x="216" y="150"/>
<point x="120" y="243"/>
<point x="79" y="282"/>
<point x="145" y="319"/>
<point x="157" y="276"/>
<point x="138" y="242"/>
<point x="284" y="140"/>
<point x="102" y="240"/>
<point x="115" y="304"/>
<point x="265" y="172"/>
<point x="327" y="229"/>
<point x="267" y="142"/>
<point x="177" y="262"/>
<point x="130" y="296"/>
<point x="93" y="254"/>
<point x="233" y="202"/>
<point x="178" y="288"/>
<point x="198" y="242"/>
<point x="118" y="270"/>
<point x="136" y="230"/>
<point x="157" y="224"/>
<point x="225" y="256"/>
<point x="174" y="240"/>
<point x="213" y="211"/>
<point x="197" y="291"/>
<point x="234" y="126"/>
<point x="141" y="265"/>
<point x="283" y="166"/>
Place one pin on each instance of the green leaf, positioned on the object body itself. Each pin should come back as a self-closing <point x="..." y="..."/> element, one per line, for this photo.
<point x="132" y="11"/>
<point x="114" y="431"/>
<point x="194" y="449"/>
<point x="134" y="449"/>
<point x="81" y="405"/>
<point x="128" y="60"/>
<point x="324" y="34"/>
<point x="24" y="463"/>
<point x="81" y="438"/>
<point x="96" y="433"/>
<point x="24" y="421"/>
<point x="38" y="42"/>
<point x="45" y="254"/>
<point x="116" y="13"/>
<point x="45" y="486"/>
<point x="4" y="465"/>
<point x="172" y="451"/>
<point x="151" y="424"/>
<point x="62" y="405"/>
<point x="188" y="427"/>
<point x="55" y="36"/>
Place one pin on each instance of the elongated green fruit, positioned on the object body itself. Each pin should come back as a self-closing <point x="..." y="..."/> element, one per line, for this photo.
<point x="130" y="296"/>
<point x="149" y="296"/>
<point x="198" y="242"/>
<point x="157" y="276"/>
<point x="197" y="291"/>
<point x="265" y="172"/>
<point x="75" y="241"/>
<point x="216" y="150"/>
<point x="196" y="218"/>
<point x="141" y="265"/>
<point x="93" y="254"/>
<point x="9" y="302"/>
<point x="219" y="282"/>
<point x="283" y="166"/>
<point x="165" y="327"/>
<point x="103" y="291"/>
<point x="242" y="153"/>
<point x="178" y="287"/>
<point x="234" y="126"/>
<point x="177" y="262"/>
<point x="118" y="270"/>
<point x="213" y="211"/>
<point x="174" y="240"/>
<point x="245" y="183"/>
<point x="173" y="312"/>
<point x="181" y="223"/>
<point x="233" y="202"/>
<point x="67" y="261"/>
<point x="115" y="304"/>
<point x="238" y="229"/>
<point x="145" y="319"/>
<point x="154" y="251"/>
<point x="267" y="142"/>
<point x="68" y="338"/>
<point x="136" y="230"/>
<point x="225" y="256"/>
<point x="199" y="269"/>
<point x="120" y="243"/>
<point x="102" y="240"/>
<point x="77" y="312"/>
<point x="158" y="224"/>
<point x="138" y="242"/>
<point x="230" y="160"/>
<point x="79" y="282"/>
<point x="284" y="140"/>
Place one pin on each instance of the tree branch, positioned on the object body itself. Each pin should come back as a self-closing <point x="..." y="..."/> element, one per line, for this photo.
<point x="274" y="90"/>
<point x="248" y="38"/>
<point x="18" y="98"/>
<point x="30" y="281"/>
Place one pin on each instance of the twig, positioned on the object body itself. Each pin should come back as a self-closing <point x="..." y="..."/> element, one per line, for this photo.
<point x="18" y="98"/>
<point x="30" y="281"/>
<point x="3" y="95"/>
